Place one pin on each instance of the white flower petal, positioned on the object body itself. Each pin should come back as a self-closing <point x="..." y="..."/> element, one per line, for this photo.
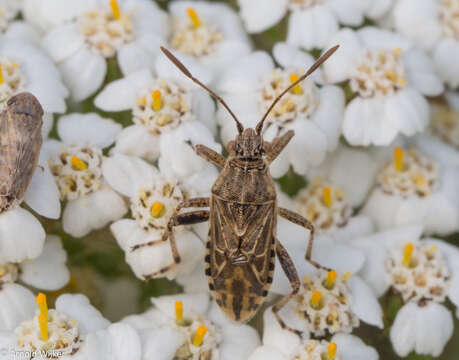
<point x="349" y="12"/>
<point x="364" y="302"/>
<point x="259" y="15"/>
<point x="161" y="344"/>
<point x="136" y="140"/>
<point x="424" y="329"/>
<point x="48" y="271"/>
<point x="350" y="347"/>
<point x="133" y="56"/>
<point x="245" y="73"/>
<point x="17" y="304"/>
<point x="121" y="94"/>
<point x="267" y="352"/>
<point x="63" y="41"/>
<point x="379" y="129"/>
<point x="126" y="173"/>
<point x="421" y="74"/>
<point x="445" y="56"/>
<point x="78" y="308"/>
<point x="125" y="342"/>
<point x="408" y="110"/>
<point x="89" y="128"/>
<point x="239" y="341"/>
<point x="92" y="212"/>
<point x="21" y="236"/>
<point x="42" y="195"/>
<point x="84" y="72"/>
<point x="312" y="28"/>
<point x="376" y="38"/>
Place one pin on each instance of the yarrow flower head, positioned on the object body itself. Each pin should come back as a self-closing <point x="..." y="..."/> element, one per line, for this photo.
<point x="74" y="329"/>
<point x="76" y="164"/>
<point x="415" y="185"/>
<point x="169" y="116"/>
<point x="421" y="272"/>
<point x="154" y="200"/>
<point x="195" y="329"/>
<point x="101" y="29"/>
<point x="384" y="71"/>
<point x="18" y="302"/>
<point x="311" y="23"/>
<point x="437" y="30"/>
<point x="251" y="86"/>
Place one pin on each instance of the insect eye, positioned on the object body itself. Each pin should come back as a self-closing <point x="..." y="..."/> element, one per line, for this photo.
<point x="237" y="148"/>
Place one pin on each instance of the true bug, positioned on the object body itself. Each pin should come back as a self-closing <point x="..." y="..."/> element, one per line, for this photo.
<point x="242" y="244"/>
<point x="20" y="143"/>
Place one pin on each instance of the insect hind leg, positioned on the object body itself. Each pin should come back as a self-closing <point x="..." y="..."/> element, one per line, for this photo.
<point x="289" y="270"/>
<point x="303" y="222"/>
<point x="189" y="218"/>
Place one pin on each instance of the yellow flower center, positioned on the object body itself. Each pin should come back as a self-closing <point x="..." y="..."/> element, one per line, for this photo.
<point x="332" y="349"/>
<point x="316" y="300"/>
<point x="398" y="158"/>
<point x="158" y="209"/>
<point x="331" y="278"/>
<point x="297" y="88"/>
<point x="407" y="252"/>
<point x="179" y="311"/>
<point x="43" y="317"/>
<point x="327" y="196"/>
<point x="199" y="335"/>
<point x="115" y="9"/>
<point x="193" y="17"/>
<point x="78" y="164"/>
<point x="157" y="102"/>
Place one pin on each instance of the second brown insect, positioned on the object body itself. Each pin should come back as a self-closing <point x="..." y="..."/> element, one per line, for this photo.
<point x="242" y="213"/>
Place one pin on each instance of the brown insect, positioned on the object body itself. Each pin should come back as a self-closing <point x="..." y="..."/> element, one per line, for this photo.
<point x="20" y="143"/>
<point x="242" y="244"/>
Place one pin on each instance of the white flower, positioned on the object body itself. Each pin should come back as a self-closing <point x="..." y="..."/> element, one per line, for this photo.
<point x="423" y="272"/>
<point x="433" y="25"/>
<point x="188" y="326"/>
<point x="153" y="199"/>
<point x="416" y="187"/>
<point x="76" y="164"/>
<point x="9" y="11"/>
<point x="206" y="35"/>
<point x="26" y="68"/>
<point x="131" y="30"/>
<point x="314" y="113"/>
<point x="76" y="330"/>
<point x="47" y="271"/>
<point x="388" y="79"/>
<point x="167" y="113"/>
<point x="279" y="344"/>
<point x="311" y="22"/>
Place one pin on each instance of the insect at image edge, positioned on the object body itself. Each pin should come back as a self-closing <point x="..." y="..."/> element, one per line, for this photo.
<point x="242" y="214"/>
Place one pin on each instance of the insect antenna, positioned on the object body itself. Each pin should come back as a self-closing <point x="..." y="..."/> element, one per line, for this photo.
<point x="313" y="68"/>
<point x="186" y="72"/>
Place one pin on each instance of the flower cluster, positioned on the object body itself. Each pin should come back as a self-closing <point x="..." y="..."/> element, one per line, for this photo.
<point x="333" y="226"/>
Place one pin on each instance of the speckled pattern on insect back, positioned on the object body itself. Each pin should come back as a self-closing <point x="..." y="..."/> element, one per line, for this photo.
<point x="20" y="143"/>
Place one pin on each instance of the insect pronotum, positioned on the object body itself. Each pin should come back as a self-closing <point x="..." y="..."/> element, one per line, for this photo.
<point x="20" y="143"/>
<point x="242" y="214"/>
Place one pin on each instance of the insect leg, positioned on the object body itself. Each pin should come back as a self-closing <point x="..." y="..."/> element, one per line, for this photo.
<point x="289" y="270"/>
<point x="208" y="154"/>
<point x="189" y="218"/>
<point x="199" y="202"/>
<point x="301" y="221"/>
<point x="278" y="144"/>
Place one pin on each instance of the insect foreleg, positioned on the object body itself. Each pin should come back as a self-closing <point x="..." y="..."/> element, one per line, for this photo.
<point x="289" y="270"/>
<point x="278" y="144"/>
<point x="208" y="154"/>
<point x="189" y="218"/>
<point x="301" y="221"/>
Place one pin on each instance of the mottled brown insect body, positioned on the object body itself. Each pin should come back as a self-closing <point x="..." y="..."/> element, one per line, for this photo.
<point x="20" y="143"/>
<point x="242" y="245"/>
